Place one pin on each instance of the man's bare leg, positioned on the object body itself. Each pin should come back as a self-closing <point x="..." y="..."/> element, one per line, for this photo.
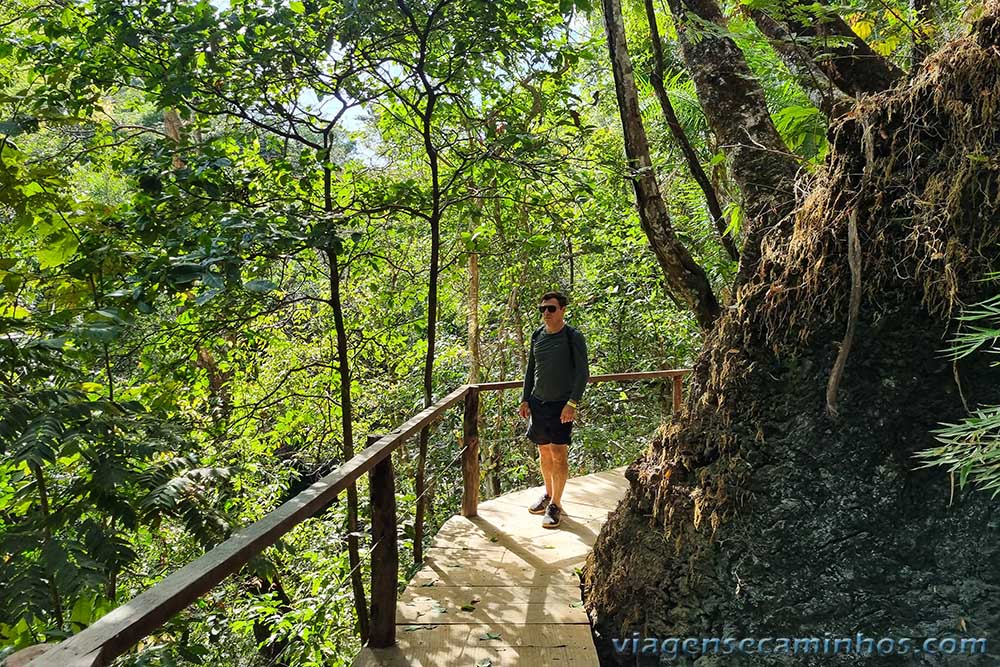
<point x="559" y="466"/>
<point x="545" y="462"/>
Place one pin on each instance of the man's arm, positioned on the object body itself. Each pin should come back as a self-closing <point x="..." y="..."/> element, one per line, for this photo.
<point x="582" y="371"/>
<point x="529" y="372"/>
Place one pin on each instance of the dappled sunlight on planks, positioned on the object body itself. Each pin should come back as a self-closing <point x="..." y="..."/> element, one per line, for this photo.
<point x="500" y="587"/>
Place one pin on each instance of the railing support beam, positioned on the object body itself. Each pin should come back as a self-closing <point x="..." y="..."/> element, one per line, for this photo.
<point x="385" y="556"/>
<point x="470" y="454"/>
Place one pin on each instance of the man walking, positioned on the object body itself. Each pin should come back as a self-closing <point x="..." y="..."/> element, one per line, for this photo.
<point x="554" y="381"/>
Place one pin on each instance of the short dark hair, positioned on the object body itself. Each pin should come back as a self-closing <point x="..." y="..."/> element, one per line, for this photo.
<point x="558" y="296"/>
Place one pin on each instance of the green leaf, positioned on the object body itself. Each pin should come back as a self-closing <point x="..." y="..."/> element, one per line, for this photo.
<point x="31" y="189"/>
<point x="57" y="251"/>
<point x="182" y="274"/>
<point x="260" y="286"/>
<point x="206" y="296"/>
<point x="297" y="7"/>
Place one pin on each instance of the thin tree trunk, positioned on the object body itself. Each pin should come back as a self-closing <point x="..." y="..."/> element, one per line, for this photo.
<point x="432" y="302"/>
<point x="474" y="350"/>
<point x="920" y="42"/>
<point x="736" y="110"/>
<point x="172" y="126"/>
<point x="683" y="275"/>
<point x="656" y="78"/>
<point x="43" y="503"/>
<point x="346" y="413"/>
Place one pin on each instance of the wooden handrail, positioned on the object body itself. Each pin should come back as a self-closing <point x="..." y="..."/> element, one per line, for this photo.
<point x="614" y="377"/>
<point x="119" y="630"/>
<point x="115" y="633"/>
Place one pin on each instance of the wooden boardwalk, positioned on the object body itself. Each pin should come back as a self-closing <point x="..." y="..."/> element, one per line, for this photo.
<point x="498" y="589"/>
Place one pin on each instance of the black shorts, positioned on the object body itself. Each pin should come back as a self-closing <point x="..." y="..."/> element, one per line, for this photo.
<point x="544" y="426"/>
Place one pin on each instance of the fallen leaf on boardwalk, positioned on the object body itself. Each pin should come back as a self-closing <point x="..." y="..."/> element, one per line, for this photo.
<point x="485" y="662"/>
<point x="476" y="599"/>
<point x="489" y="635"/>
<point x="468" y="607"/>
<point x="429" y="583"/>
<point x="414" y="628"/>
<point x="441" y="610"/>
<point x="574" y="605"/>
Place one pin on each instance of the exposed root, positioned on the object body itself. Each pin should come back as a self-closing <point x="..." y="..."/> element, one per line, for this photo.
<point x="854" y="259"/>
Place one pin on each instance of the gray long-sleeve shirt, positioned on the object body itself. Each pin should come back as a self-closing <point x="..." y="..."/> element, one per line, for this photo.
<point x="550" y="375"/>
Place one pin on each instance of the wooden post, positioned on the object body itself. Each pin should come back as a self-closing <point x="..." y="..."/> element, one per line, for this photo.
<point x="678" y="380"/>
<point x="470" y="454"/>
<point x="385" y="555"/>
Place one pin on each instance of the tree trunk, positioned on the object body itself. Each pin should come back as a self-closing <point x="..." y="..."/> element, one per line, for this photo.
<point x="347" y="416"/>
<point x="656" y="78"/>
<point x="432" y="305"/>
<point x="757" y="514"/>
<point x="686" y="279"/>
<point x="920" y="41"/>
<point x="846" y="59"/>
<point x="826" y="97"/>
<point x="736" y="110"/>
<point x="474" y="352"/>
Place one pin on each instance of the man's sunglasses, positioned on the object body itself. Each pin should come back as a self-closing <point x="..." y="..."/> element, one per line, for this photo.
<point x="548" y="309"/>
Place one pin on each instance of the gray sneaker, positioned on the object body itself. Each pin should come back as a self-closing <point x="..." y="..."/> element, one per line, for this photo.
<point x="552" y="516"/>
<point x="539" y="507"/>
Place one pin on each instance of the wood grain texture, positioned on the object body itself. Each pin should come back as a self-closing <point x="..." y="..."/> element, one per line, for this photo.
<point x="470" y="453"/>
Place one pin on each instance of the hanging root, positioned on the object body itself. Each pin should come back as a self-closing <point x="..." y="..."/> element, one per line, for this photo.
<point x="854" y="259"/>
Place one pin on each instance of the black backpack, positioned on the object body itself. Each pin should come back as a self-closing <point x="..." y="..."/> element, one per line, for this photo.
<point x="570" y="333"/>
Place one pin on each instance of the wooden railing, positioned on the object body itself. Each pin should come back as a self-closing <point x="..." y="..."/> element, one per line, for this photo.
<point x="123" y="628"/>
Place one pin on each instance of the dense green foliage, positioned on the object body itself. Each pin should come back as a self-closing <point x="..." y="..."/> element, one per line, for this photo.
<point x="179" y="185"/>
<point x="971" y="447"/>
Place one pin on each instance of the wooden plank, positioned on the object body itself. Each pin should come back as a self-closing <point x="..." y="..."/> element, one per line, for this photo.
<point x="534" y="635"/>
<point x="613" y="377"/>
<point x="470" y="454"/>
<point x="574" y="511"/>
<point x="530" y="656"/>
<point x="460" y="595"/>
<point x="121" y="629"/>
<point x="460" y="532"/>
<point x="499" y="656"/>
<point x="385" y="556"/>
<point x="504" y="575"/>
<point x="678" y="380"/>
<point x="518" y="613"/>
